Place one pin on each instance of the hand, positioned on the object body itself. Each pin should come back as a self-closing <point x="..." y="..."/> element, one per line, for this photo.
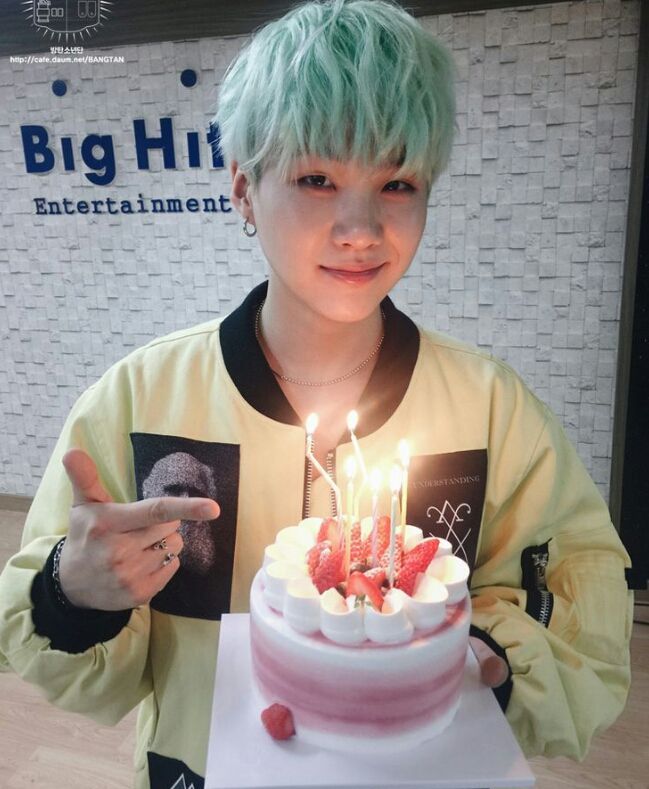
<point x="493" y="669"/>
<point x="119" y="556"/>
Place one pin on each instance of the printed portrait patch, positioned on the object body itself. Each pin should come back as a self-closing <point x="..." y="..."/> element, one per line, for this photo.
<point x="176" y="466"/>
<point x="166" y="773"/>
<point x="446" y="498"/>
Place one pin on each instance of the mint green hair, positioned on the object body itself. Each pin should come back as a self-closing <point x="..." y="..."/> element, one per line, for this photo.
<point x="340" y="79"/>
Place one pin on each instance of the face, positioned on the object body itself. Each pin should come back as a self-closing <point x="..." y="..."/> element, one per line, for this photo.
<point x="337" y="235"/>
<point x="183" y="475"/>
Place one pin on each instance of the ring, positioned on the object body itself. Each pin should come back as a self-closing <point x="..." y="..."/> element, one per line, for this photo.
<point x="168" y="558"/>
<point x="160" y="545"/>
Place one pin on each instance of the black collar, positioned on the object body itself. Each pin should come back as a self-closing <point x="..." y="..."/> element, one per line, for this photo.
<point x="248" y="368"/>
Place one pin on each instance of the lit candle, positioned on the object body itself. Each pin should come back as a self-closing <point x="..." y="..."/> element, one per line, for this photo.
<point x="395" y="484"/>
<point x="375" y="483"/>
<point x="350" y="468"/>
<point x="311" y="425"/>
<point x="405" y="462"/>
<point x="357" y="503"/>
<point x="352" y="423"/>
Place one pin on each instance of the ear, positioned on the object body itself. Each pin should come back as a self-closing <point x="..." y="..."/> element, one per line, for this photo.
<point x="240" y="194"/>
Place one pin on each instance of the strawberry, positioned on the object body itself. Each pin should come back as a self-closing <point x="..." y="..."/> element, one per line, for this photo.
<point x="376" y="575"/>
<point x="360" y="584"/>
<point x="329" y="531"/>
<point x="416" y="562"/>
<point x="382" y="538"/>
<point x="384" y="560"/>
<point x="313" y="555"/>
<point x="330" y="571"/>
<point x="356" y="544"/>
<point x="278" y="721"/>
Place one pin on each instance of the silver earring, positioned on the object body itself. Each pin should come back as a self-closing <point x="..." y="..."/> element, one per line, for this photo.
<point x="246" y="230"/>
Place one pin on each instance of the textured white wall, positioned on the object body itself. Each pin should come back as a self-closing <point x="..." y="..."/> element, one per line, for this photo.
<point x="522" y="252"/>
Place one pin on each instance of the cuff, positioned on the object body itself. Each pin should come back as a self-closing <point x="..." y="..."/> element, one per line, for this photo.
<point x="504" y="691"/>
<point x="70" y="629"/>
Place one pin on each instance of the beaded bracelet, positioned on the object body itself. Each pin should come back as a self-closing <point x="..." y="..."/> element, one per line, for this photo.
<point x="58" y="590"/>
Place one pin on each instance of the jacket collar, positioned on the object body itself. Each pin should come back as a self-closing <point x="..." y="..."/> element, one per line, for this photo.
<point x="251" y="374"/>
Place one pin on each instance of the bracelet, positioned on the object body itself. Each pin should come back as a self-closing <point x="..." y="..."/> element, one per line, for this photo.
<point x="58" y="590"/>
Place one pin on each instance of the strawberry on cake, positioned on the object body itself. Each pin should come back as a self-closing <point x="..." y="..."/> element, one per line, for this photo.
<point x="364" y="649"/>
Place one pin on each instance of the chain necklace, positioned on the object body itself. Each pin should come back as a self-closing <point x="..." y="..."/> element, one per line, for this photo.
<point x="341" y="378"/>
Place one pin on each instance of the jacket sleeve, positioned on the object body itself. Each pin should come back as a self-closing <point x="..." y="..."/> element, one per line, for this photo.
<point x="107" y="679"/>
<point x="550" y="588"/>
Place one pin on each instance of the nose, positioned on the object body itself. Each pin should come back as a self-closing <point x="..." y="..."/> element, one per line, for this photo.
<point x="358" y="223"/>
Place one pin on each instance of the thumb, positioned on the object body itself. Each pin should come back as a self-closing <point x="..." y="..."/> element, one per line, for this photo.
<point x="493" y="669"/>
<point x="82" y="473"/>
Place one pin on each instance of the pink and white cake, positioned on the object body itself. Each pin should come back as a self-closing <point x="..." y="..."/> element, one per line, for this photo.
<point x="364" y="665"/>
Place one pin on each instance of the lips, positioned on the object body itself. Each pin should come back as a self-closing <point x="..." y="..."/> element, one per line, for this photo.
<point x="364" y="273"/>
<point x="356" y="265"/>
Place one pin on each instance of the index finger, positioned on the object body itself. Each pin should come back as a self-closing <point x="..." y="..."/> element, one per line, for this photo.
<point x="161" y="509"/>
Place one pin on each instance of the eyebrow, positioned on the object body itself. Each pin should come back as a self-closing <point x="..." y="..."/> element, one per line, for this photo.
<point x="385" y="168"/>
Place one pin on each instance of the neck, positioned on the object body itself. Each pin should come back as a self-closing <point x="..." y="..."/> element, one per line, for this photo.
<point x="326" y="349"/>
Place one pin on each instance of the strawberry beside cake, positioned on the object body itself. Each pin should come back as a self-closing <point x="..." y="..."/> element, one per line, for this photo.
<point x="364" y="646"/>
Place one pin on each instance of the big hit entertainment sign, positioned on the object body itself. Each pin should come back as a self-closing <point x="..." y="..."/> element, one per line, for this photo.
<point x="97" y="154"/>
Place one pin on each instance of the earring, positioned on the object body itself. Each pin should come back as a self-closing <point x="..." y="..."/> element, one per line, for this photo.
<point x="246" y="230"/>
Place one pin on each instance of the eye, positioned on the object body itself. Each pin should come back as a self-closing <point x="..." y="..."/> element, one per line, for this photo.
<point x="316" y="181"/>
<point x="399" y="186"/>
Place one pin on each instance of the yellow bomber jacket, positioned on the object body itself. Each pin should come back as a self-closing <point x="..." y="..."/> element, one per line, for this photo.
<point x="199" y="413"/>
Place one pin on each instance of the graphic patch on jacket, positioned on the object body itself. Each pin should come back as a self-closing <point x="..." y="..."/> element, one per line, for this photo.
<point x="540" y="601"/>
<point x="446" y="498"/>
<point x="176" y="466"/>
<point x="166" y="773"/>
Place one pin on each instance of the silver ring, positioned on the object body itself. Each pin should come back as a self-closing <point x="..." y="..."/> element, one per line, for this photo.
<point x="168" y="558"/>
<point x="161" y="545"/>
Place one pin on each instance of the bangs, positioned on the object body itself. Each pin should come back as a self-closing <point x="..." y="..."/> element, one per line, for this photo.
<point x="340" y="80"/>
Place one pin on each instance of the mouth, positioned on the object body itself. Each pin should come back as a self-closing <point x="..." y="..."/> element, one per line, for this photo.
<point x="356" y="275"/>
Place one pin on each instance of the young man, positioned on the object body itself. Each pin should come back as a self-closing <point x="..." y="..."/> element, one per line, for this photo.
<point x="335" y="121"/>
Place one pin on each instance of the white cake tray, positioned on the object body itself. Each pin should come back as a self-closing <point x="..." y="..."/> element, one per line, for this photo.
<point x="477" y="751"/>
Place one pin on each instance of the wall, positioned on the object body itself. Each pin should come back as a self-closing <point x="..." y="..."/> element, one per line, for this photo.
<point x="522" y="252"/>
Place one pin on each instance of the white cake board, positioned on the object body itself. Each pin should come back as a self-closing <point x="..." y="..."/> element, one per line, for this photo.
<point x="477" y="751"/>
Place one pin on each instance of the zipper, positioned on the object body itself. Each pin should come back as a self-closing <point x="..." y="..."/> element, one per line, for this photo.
<point x="330" y="467"/>
<point x="544" y="613"/>
<point x="308" y="484"/>
<point x="331" y="470"/>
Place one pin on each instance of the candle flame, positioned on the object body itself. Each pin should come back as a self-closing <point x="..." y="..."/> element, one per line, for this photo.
<point x="396" y="478"/>
<point x="404" y="453"/>
<point x="350" y="467"/>
<point x="352" y="421"/>
<point x="375" y="480"/>
<point x="311" y="424"/>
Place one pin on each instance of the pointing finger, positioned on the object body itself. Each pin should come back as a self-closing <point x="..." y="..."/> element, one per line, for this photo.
<point x="82" y="473"/>
<point x="149" y="512"/>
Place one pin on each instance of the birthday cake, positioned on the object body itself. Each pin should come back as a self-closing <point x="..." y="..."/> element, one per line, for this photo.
<point x="360" y="637"/>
